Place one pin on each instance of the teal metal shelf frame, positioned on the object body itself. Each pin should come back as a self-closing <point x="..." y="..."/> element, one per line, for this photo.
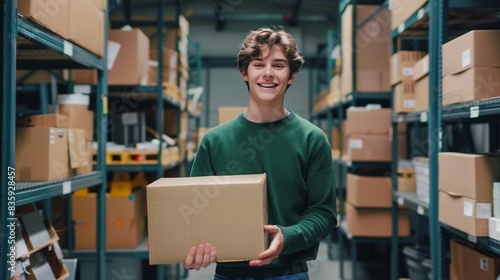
<point x="64" y="54"/>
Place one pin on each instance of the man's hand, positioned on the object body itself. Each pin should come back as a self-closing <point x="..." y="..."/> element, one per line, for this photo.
<point x="202" y="256"/>
<point x="275" y="248"/>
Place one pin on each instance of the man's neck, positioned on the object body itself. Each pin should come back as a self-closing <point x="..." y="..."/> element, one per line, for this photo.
<point x="265" y="115"/>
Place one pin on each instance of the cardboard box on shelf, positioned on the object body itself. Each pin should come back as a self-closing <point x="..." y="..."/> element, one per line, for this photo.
<point x="34" y="10"/>
<point x="369" y="191"/>
<point x="401" y="10"/>
<point x="362" y="120"/>
<point x="373" y="51"/>
<point x="476" y="48"/>
<point x="79" y="119"/>
<point x="125" y="225"/>
<point x="170" y="58"/>
<point x="465" y="214"/>
<point x="86" y="26"/>
<point x="132" y="61"/>
<point x="170" y="37"/>
<point x="78" y="149"/>
<point x="475" y="83"/>
<point x="186" y="212"/>
<point x="421" y="79"/>
<point x="469" y="175"/>
<point x="227" y="113"/>
<point x="406" y="180"/>
<point x="373" y="222"/>
<point x="403" y="65"/>
<point x="404" y="97"/>
<point x="369" y="148"/>
<point x="41" y="154"/>
<point x="469" y="262"/>
<point x="43" y="120"/>
<point x="78" y="21"/>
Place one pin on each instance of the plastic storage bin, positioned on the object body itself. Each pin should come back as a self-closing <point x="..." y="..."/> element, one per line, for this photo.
<point x="415" y="257"/>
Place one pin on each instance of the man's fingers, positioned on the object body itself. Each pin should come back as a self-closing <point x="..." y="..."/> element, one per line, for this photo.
<point x="213" y="255"/>
<point x="190" y="258"/>
<point x="206" y="255"/>
<point x="199" y="257"/>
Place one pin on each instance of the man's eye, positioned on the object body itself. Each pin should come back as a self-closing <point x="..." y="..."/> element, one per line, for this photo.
<point x="279" y="66"/>
<point x="257" y="65"/>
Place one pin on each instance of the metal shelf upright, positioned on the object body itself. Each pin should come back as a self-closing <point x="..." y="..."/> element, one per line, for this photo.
<point x="63" y="54"/>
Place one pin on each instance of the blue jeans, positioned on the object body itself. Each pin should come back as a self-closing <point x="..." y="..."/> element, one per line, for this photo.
<point x="297" y="276"/>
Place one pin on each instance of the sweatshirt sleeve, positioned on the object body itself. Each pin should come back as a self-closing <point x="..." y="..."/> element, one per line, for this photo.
<point x="202" y="165"/>
<point x="319" y="217"/>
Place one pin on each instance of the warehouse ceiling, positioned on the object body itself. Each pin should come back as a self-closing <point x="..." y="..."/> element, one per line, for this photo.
<point x="222" y="13"/>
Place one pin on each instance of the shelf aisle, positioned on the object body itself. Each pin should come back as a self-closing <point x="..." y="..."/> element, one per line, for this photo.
<point x="51" y="52"/>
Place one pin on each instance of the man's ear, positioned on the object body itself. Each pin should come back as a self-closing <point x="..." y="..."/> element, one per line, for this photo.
<point x="291" y="79"/>
<point x="244" y="74"/>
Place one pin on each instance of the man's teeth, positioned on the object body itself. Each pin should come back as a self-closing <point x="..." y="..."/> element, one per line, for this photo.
<point x="267" y="85"/>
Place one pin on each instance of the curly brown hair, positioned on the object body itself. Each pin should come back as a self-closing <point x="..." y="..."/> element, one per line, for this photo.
<point x="266" y="37"/>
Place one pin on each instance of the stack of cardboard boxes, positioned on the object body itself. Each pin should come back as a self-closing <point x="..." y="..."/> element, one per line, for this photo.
<point x="56" y="146"/>
<point x="466" y="191"/>
<point x="368" y="134"/>
<point x="372" y="49"/>
<point x="369" y="198"/>
<point x="471" y="67"/>
<point x="402" y="73"/>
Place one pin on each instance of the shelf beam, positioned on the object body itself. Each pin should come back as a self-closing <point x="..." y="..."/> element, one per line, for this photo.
<point x="71" y="51"/>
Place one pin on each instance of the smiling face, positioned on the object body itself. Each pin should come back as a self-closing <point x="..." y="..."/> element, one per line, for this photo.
<point x="268" y="76"/>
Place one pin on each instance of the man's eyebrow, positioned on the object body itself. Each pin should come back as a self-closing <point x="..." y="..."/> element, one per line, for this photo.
<point x="280" y="60"/>
<point x="274" y="60"/>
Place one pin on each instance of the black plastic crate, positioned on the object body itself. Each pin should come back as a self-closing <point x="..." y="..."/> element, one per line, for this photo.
<point x="414" y="259"/>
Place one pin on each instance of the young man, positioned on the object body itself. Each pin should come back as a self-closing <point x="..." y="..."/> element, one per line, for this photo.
<point x="294" y="154"/>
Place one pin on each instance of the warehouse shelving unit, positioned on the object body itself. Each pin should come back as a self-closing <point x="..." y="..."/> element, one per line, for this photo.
<point x="58" y="54"/>
<point x="161" y="98"/>
<point x="155" y="94"/>
<point x="334" y="115"/>
<point x="430" y="23"/>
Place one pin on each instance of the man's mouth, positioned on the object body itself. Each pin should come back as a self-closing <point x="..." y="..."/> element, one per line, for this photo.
<point x="268" y="85"/>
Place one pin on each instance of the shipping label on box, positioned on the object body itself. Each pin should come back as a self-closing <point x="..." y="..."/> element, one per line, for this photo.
<point x="369" y="148"/>
<point x="189" y="211"/>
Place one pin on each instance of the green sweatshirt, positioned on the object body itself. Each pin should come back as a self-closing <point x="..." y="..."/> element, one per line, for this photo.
<point x="296" y="156"/>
